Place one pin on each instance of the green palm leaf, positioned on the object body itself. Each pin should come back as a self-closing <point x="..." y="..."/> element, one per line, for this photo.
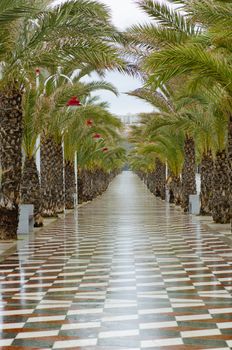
<point x="179" y="60"/>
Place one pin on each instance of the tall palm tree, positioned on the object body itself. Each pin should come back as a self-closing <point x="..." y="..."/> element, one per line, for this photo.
<point x="11" y="122"/>
<point x="30" y="185"/>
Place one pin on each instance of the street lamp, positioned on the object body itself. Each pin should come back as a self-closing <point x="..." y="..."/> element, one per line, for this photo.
<point x="56" y="77"/>
<point x="74" y="103"/>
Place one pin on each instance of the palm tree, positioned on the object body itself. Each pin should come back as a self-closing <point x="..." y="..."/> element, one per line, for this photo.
<point x="30" y="185"/>
<point x="10" y="133"/>
<point x="74" y="34"/>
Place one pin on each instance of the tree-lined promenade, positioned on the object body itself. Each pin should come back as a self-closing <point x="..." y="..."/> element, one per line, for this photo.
<point x="45" y="51"/>
<point x="183" y="57"/>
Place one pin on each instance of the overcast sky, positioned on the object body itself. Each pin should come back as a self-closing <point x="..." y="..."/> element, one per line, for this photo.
<point x="124" y="13"/>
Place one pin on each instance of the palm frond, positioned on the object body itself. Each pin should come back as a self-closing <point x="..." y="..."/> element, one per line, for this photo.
<point x="155" y="98"/>
<point x="166" y="16"/>
<point x="179" y="60"/>
<point x="150" y="36"/>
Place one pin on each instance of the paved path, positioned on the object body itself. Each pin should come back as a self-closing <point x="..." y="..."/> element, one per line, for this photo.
<point x="127" y="272"/>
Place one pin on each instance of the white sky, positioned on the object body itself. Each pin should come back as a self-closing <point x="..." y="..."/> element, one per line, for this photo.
<point x="124" y="14"/>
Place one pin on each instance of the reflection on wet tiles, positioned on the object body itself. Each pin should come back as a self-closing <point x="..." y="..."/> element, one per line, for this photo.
<point x="126" y="272"/>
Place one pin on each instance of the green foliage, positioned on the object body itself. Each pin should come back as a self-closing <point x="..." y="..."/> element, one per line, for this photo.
<point x="74" y="34"/>
<point x="30" y="122"/>
<point x="79" y="139"/>
<point x="184" y="56"/>
<point x="67" y="42"/>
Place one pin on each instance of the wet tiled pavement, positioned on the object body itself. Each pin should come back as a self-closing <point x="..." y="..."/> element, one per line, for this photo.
<point x="127" y="272"/>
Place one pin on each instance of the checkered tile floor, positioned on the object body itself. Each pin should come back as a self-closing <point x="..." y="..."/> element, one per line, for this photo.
<point x="126" y="272"/>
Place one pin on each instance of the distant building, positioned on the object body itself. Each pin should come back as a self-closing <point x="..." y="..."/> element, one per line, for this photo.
<point x="130" y="119"/>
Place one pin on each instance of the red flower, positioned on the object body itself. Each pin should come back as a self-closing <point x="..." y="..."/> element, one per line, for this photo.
<point x="73" y="102"/>
<point x="96" y="136"/>
<point x="37" y="71"/>
<point x="89" y="122"/>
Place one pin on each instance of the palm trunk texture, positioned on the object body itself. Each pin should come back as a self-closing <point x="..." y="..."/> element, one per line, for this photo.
<point x="221" y="189"/>
<point x="207" y="166"/>
<point x="230" y="164"/>
<point x="92" y="184"/>
<point x="48" y="176"/>
<point x="175" y="188"/>
<point x="80" y="187"/>
<point x="59" y="177"/>
<point x="70" y="185"/>
<point x="11" y="161"/>
<point x="30" y="189"/>
<point x="151" y="182"/>
<point x="160" y="178"/>
<point x="188" y="173"/>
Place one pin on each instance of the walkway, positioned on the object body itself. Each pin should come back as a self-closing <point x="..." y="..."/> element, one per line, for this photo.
<point x="128" y="272"/>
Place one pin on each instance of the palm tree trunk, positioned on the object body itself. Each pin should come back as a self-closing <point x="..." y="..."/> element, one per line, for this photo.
<point x="94" y="184"/>
<point x="80" y="184"/>
<point x="175" y="189"/>
<point x="105" y="180"/>
<point x="188" y="173"/>
<point x="58" y="181"/>
<point x="10" y="160"/>
<point x="85" y="181"/>
<point x="160" y="179"/>
<point x="101" y="182"/>
<point x="230" y="141"/>
<point x="221" y="189"/>
<point x="70" y="185"/>
<point x="47" y="158"/>
<point x="152" y="181"/>
<point x="149" y="181"/>
<point x="207" y="165"/>
<point x="88" y="186"/>
<point x="230" y="164"/>
<point x="30" y="189"/>
<point x="143" y="177"/>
